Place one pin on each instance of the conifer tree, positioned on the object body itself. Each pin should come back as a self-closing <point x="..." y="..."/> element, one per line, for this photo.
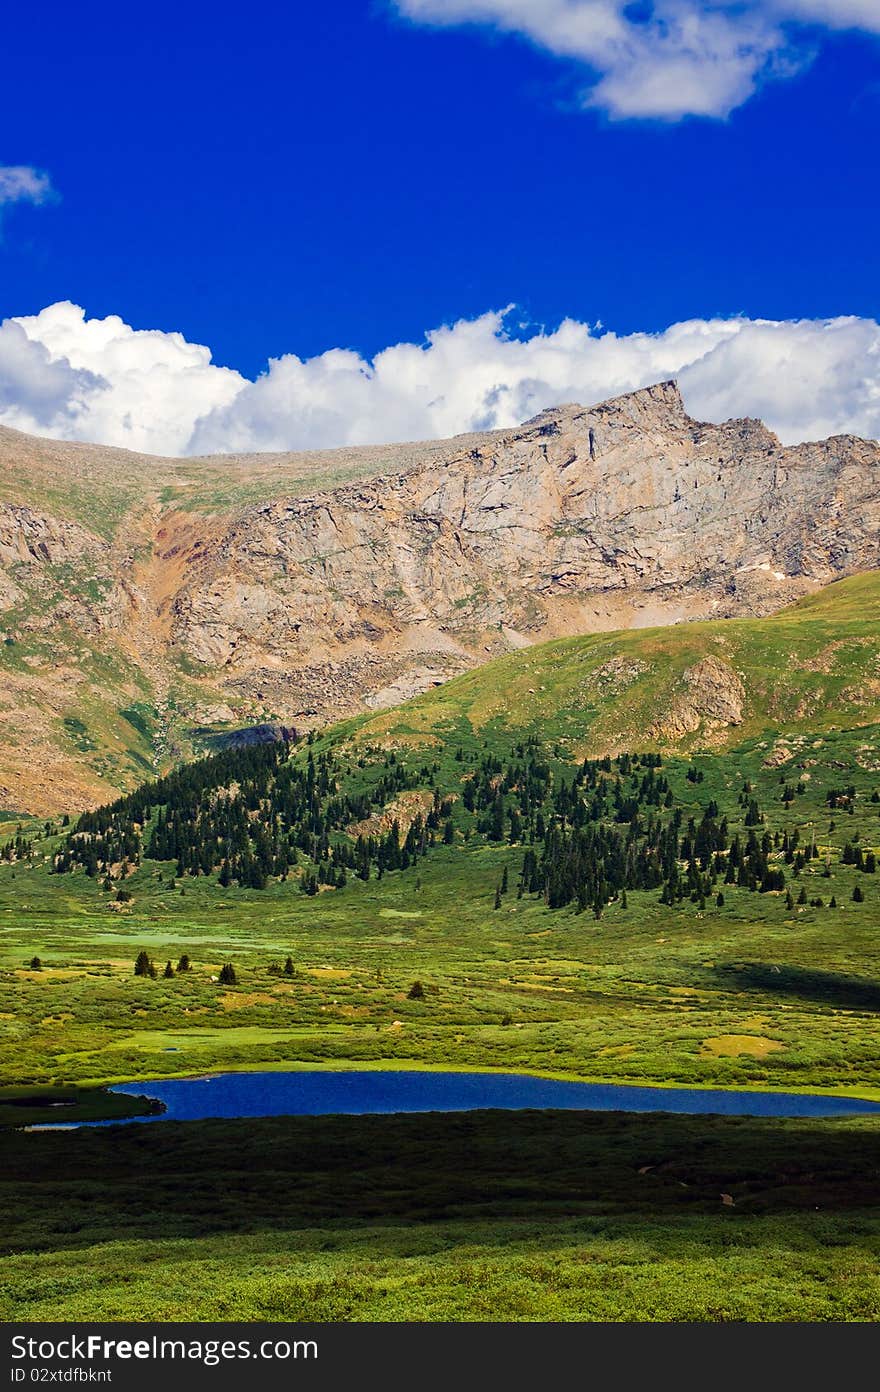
<point x="143" y="965"/>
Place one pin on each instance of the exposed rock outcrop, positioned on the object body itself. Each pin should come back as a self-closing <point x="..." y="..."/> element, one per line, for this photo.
<point x="712" y="698"/>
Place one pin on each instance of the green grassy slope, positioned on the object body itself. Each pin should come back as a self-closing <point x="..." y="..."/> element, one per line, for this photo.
<point x="811" y="668"/>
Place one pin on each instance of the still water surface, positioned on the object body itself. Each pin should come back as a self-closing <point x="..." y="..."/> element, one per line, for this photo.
<point x="357" y="1092"/>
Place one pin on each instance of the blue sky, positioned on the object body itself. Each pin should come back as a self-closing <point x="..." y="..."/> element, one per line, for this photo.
<point x="292" y="178"/>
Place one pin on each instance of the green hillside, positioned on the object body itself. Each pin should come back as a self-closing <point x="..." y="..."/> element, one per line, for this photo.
<point x="810" y="668"/>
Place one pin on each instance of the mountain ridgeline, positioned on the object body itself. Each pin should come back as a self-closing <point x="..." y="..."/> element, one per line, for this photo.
<point x="151" y="605"/>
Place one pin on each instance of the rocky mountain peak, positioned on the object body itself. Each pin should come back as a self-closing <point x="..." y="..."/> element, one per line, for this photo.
<point x="294" y="589"/>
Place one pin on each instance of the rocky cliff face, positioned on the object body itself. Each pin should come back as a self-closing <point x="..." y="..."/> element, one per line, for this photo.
<point x="303" y="605"/>
<point x="629" y="513"/>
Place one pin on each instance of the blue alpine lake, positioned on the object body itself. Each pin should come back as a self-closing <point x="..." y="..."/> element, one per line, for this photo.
<point x="319" y="1093"/>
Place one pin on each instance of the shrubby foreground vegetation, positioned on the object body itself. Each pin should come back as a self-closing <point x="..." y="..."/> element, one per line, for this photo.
<point x="475" y="1216"/>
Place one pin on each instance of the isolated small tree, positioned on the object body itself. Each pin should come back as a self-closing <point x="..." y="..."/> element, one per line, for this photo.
<point x="169" y="970"/>
<point x="789" y="901"/>
<point x="719" y="900"/>
<point x="624" y="902"/>
<point x="227" y="975"/>
<point x="497" y="897"/>
<point x="123" y="896"/>
<point x="288" y="966"/>
<point x="416" y="991"/>
<point x="184" y="963"/>
<point x="504" y="881"/>
<point x="858" y="894"/>
<point x="36" y="964"/>
<point x="802" y="897"/>
<point x="832" y="902"/>
<point x="143" y="965"/>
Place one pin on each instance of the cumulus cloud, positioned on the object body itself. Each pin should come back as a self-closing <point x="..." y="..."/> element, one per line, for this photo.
<point x="67" y="376"/>
<point x="670" y="58"/>
<point x="142" y="389"/>
<point x="39" y="392"/>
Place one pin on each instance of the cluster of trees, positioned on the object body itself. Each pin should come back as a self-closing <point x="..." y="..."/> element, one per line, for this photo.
<point x="843" y="798"/>
<point x="250" y="816"/>
<point x="145" y="966"/>
<point x="517" y="801"/>
<point x="588" y="861"/>
<point x="862" y="860"/>
<point x="589" y="833"/>
<point x="17" y="848"/>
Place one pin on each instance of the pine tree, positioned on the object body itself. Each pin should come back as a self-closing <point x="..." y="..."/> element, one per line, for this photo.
<point x="169" y="970"/>
<point x="288" y="966"/>
<point x="416" y="991"/>
<point x="183" y="965"/>
<point x="227" y="975"/>
<point x="143" y="965"/>
<point x="858" y="894"/>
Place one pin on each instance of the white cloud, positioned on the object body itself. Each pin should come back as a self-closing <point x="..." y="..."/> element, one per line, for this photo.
<point x="143" y="389"/>
<point x="19" y="183"/>
<point x="667" y="59"/>
<point x="70" y="377"/>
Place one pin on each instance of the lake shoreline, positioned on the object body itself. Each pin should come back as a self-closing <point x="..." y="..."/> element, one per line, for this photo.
<point x="864" y="1093"/>
<point x="359" y="1092"/>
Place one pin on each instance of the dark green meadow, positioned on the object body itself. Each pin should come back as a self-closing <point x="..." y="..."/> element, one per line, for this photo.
<point x="479" y="1216"/>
